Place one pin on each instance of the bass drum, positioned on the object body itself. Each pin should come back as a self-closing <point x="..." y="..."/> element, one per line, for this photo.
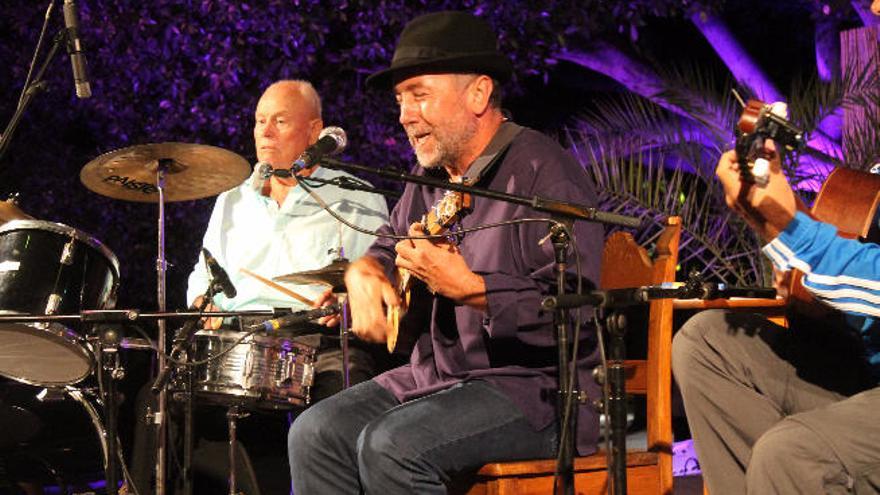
<point x="49" y="268"/>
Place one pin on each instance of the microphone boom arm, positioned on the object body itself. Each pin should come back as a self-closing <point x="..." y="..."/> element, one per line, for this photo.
<point x="556" y="208"/>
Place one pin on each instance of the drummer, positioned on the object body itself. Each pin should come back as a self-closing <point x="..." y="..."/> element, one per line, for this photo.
<point x="271" y="227"/>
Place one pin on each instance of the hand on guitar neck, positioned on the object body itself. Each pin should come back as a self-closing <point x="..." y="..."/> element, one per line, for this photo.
<point x="768" y="209"/>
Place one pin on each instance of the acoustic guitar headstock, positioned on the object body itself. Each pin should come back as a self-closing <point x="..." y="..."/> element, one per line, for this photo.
<point x="761" y="121"/>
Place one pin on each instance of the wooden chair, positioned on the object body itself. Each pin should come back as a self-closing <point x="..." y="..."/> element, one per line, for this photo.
<point x="624" y="264"/>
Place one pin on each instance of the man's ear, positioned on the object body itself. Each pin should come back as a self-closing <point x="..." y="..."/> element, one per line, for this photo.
<point x="315" y="128"/>
<point x="479" y="93"/>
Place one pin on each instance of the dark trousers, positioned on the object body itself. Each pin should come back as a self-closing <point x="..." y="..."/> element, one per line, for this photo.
<point x="363" y="441"/>
<point x="775" y="410"/>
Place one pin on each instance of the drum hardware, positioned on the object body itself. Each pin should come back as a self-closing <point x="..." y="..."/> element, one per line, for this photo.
<point x="111" y="372"/>
<point x="191" y="171"/>
<point x="110" y="445"/>
<point x="332" y="275"/>
<point x="49" y="268"/>
<point x="253" y="370"/>
<point x="9" y="210"/>
<point x="107" y="343"/>
<point x="232" y="415"/>
<point x="141" y="173"/>
<point x="182" y="341"/>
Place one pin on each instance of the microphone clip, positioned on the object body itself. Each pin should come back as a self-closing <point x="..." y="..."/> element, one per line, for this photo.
<point x="267" y="171"/>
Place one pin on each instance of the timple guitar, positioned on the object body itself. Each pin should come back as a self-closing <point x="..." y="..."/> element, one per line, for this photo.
<point x="438" y="220"/>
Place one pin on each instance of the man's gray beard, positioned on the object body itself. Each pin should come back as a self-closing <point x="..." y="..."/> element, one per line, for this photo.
<point x="440" y="161"/>
<point x="449" y="151"/>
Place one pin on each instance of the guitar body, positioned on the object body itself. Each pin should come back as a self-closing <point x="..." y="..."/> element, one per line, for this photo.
<point x="413" y="315"/>
<point x="849" y="200"/>
<point x="407" y="321"/>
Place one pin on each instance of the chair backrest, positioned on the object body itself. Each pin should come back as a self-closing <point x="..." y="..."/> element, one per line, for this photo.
<point x="626" y="264"/>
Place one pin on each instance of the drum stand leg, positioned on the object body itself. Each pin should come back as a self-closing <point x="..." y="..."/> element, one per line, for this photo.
<point x="111" y="371"/>
<point x="233" y="414"/>
<point x="188" y="430"/>
<point x="343" y="340"/>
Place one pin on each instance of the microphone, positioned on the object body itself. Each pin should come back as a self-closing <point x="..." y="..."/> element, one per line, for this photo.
<point x="295" y="318"/>
<point x="332" y="140"/>
<point x="264" y="169"/>
<point x="218" y="275"/>
<point x="74" y="50"/>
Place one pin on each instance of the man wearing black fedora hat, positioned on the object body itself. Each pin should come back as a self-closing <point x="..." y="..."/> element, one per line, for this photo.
<point x="481" y="381"/>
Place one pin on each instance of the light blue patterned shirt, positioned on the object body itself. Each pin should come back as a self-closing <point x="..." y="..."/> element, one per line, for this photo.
<point x="249" y="230"/>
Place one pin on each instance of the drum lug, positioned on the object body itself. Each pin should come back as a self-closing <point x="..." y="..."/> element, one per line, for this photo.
<point x="287" y="369"/>
<point x="153" y="417"/>
<point x="52" y="304"/>
<point x="248" y="367"/>
<point x="308" y="376"/>
<point x="67" y="252"/>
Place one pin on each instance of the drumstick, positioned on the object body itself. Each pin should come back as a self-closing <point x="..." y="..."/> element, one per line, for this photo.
<point x="278" y="287"/>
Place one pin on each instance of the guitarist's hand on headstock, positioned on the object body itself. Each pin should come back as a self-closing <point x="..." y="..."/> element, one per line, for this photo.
<point x="442" y="267"/>
<point x="767" y="209"/>
<point x="368" y="288"/>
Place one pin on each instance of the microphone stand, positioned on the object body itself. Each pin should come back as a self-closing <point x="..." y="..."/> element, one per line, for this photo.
<point x="182" y="340"/>
<point x="566" y="380"/>
<point x="557" y="210"/>
<point x="616" y="300"/>
<point x="32" y="89"/>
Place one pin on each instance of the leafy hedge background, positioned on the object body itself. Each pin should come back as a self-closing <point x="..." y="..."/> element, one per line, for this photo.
<point x="191" y="71"/>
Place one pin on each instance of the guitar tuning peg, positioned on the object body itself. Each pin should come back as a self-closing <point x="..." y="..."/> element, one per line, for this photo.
<point x="761" y="172"/>
<point x="779" y="109"/>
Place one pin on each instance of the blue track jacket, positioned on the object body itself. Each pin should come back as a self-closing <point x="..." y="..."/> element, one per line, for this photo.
<point x="844" y="273"/>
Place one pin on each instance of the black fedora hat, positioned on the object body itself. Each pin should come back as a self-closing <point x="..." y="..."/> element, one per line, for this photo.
<point x="445" y="42"/>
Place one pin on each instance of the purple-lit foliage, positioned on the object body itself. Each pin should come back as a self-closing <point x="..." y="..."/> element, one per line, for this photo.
<point x="191" y="71"/>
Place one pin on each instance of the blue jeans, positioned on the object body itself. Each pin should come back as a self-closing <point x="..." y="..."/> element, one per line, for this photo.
<point x="362" y="440"/>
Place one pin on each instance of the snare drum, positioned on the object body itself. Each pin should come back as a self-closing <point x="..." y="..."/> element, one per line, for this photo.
<point x="49" y="268"/>
<point x="263" y="371"/>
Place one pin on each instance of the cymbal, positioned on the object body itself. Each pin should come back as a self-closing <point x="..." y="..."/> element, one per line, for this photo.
<point x="332" y="275"/>
<point x="193" y="171"/>
<point x="10" y="211"/>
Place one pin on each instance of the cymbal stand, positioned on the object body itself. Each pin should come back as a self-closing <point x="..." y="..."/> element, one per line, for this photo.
<point x="160" y="418"/>
<point x="343" y="321"/>
<point x="232" y="415"/>
<point x="343" y="338"/>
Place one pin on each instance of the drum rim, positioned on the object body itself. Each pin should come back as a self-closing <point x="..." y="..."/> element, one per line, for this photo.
<point x="60" y="228"/>
<point x="257" y="338"/>
<point x="62" y="336"/>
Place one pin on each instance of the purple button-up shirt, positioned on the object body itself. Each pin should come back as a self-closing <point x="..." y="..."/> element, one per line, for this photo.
<point x="512" y="345"/>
